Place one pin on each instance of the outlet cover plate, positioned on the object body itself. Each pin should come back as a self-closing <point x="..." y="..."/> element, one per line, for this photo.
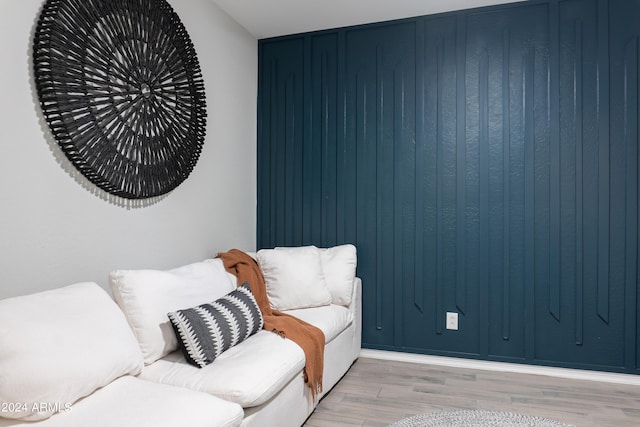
<point x="452" y="321"/>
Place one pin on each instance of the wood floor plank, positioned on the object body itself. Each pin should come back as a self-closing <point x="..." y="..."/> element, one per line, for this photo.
<point x="376" y="393"/>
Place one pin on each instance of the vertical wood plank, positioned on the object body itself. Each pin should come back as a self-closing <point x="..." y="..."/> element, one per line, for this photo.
<point x="554" y="161"/>
<point x="529" y="200"/>
<point x="461" y="164"/>
<point x="634" y="285"/>
<point x="419" y="266"/>
<point x="506" y="190"/>
<point x="635" y="194"/>
<point x="439" y="313"/>
<point x="579" y="142"/>
<point x="345" y="174"/>
<point x="399" y="203"/>
<point x="273" y="155"/>
<point x="309" y="153"/>
<point x="289" y="161"/>
<point x="368" y="156"/>
<point x="431" y="245"/>
<point x="325" y="154"/>
<point x="393" y="216"/>
<point x="603" y="160"/>
<point x="379" y="137"/>
<point x="483" y="157"/>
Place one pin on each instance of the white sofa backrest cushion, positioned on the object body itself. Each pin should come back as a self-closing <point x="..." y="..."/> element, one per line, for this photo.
<point x="293" y="277"/>
<point x="339" y="268"/>
<point x="59" y="346"/>
<point x="147" y="296"/>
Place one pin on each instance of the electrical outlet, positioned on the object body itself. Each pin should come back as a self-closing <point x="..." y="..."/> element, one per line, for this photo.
<point x="452" y="321"/>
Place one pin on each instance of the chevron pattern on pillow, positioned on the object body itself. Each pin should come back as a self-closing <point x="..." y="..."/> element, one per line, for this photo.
<point x="206" y="331"/>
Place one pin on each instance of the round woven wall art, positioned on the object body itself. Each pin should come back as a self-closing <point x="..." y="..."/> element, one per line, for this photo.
<point x="121" y="89"/>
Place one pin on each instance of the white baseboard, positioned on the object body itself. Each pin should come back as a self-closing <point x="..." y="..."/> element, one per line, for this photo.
<point x="454" y="362"/>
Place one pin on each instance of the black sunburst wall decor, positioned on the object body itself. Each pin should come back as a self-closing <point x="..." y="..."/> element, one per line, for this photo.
<point x="121" y="89"/>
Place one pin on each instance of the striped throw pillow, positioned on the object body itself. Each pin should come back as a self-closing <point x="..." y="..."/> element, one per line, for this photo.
<point x="206" y="331"/>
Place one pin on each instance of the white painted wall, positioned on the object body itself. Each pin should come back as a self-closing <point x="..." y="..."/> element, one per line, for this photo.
<point x="57" y="229"/>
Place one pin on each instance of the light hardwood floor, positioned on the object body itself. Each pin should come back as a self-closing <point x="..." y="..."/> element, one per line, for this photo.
<point x="379" y="392"/>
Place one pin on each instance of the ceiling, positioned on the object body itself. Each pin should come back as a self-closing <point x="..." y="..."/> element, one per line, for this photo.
<point x="270" y="18"/>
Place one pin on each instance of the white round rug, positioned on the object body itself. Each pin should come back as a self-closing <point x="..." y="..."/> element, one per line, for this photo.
<point x="476" y="418"/>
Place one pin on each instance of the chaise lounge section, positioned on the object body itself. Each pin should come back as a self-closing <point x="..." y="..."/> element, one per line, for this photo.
<point x="69" y="359"/>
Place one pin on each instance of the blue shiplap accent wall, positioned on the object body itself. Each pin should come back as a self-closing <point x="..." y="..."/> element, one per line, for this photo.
<point x="484" y="162"/>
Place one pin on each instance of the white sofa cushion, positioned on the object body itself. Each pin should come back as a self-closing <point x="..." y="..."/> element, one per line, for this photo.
<point x="249" y="374"/>
<point x="132" y="402"/>
<point x="294" y="277"/>
<point x="206" y="331"/>
<point x="331" y="319"/>
<point x="59" y="346"/>
<point x="339" y="268"/>
<point x="146" y="296"/>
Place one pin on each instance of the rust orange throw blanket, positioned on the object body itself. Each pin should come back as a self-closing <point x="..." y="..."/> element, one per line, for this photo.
<point x="307" y="336"/>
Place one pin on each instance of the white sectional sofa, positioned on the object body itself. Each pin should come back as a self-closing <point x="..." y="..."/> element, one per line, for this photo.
<point x="74" y="357"/>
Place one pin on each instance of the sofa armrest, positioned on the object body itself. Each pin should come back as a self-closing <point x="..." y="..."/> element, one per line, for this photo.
<point x="356" y="308"/>
<point x="356" y="295"/>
